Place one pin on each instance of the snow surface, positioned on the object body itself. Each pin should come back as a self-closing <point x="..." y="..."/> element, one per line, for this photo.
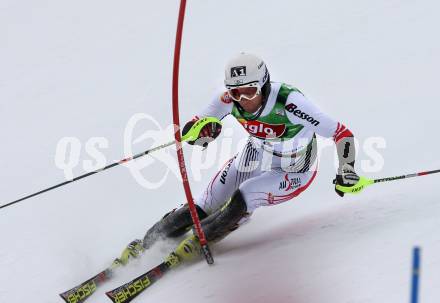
<point x="84" y="68"/>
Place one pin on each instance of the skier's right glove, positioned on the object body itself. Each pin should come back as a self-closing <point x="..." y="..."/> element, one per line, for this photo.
<point x="346" y="177"/>
<point x="208" y="133"/>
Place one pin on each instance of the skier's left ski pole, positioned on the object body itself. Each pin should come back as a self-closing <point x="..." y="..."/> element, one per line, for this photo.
<point x="364" y="182"/>
<point x="192" y="135"/>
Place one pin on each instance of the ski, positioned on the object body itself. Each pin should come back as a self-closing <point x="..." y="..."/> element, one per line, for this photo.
<point x="80" y="293"/>
<point x="127" y="292"/>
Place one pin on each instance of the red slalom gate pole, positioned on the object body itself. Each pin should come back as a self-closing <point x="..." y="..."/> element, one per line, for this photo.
<point x="189" y="197"/>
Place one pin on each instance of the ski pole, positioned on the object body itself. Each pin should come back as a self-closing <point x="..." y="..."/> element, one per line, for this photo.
<point x="192" y="134"/>
<point x="364" y="182"/>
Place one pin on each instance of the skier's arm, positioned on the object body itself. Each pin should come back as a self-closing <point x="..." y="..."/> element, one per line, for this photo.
<point x="345" y="146"/>
<point x="300" y="110"/>
<point x="219" y="107"/>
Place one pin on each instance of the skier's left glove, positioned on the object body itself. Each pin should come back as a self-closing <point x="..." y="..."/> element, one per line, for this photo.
<point x="346" y="177"/>
<point x="208" y="133"/>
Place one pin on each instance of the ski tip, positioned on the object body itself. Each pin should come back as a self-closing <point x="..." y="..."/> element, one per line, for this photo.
<point x="83" y="291"/>
<point x="111" y="296"/>
<point x="63" y="296"/>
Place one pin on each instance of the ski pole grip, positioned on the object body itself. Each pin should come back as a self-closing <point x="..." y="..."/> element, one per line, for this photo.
<point x="357" y="188"/>
<point x="194" y="132"/>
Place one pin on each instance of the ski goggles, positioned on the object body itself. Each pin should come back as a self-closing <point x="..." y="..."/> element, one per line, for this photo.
<point x="248" y="92"/>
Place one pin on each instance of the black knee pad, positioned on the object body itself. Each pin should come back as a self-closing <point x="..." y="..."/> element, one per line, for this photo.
<point x="225" y="220"/>
<point x="172" y="224"/>
<point x="182" y="221"/>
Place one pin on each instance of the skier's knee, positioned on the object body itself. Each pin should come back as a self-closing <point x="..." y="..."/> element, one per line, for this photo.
<point x="226" y="219"/>
<point x="237" y="204"/>
<point x="173" y="224"/>
<point x="181" y="221"/>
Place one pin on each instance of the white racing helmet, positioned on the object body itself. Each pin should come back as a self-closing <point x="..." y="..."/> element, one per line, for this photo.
<point x="247" y="71"/>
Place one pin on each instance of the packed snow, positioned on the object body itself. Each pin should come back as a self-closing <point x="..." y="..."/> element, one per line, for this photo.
<point x="85" y="71"/>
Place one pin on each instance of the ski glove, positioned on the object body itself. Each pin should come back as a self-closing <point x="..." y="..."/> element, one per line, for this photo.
<point x="208" y="133"/>
<point x="346" y="177"/>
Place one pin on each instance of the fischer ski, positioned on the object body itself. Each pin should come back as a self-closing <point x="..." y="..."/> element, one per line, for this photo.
<point x="80" y="293"/>
<point x="186" y="251"/>
<point x="127" y="292"/>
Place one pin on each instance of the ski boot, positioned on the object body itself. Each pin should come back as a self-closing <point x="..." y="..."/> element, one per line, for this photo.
<point x="216" y="227"/>
<point x="188" y="249"/>
<point x="133" y="250"/>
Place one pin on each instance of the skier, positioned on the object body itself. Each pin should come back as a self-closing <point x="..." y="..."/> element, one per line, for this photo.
<point x="276" y="165"/>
